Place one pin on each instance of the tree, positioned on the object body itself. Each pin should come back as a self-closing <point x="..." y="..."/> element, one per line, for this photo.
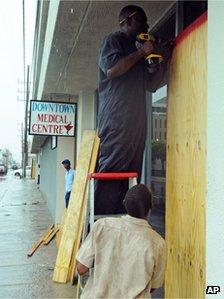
<point x="159" y="151"/>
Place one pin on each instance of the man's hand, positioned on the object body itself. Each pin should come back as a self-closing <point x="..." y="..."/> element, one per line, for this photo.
<point x="81" y="269"/>
<point x="147" y="48"/>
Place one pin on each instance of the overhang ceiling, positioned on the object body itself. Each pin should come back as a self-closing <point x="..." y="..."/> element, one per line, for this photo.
<point x="80" y="28"/>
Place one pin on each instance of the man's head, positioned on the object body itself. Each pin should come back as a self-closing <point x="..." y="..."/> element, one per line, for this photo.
<point x="66" y="163"/>
<point x="133" y="20"/>
<point x="138" y="201"/>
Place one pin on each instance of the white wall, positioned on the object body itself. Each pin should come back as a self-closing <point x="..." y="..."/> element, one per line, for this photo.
<point x="48" y="175"/>
<point x="86" y="114"/>
<point x="52" y="173"/>
<point x="215" y="149"/>
<point x="65" y="150"/>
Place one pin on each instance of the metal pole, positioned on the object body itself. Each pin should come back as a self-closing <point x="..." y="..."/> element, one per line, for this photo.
<point x="24" y="82"/>
<point x="179" y="24"/>
<point x="148" y="149"/>
<point x="22" y="160"/>
<point x="24" y="51"/>
<point x="25" y="123"/>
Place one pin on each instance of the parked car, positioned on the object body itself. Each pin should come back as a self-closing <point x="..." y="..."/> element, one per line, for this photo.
<point x="14" y="167"/>
<point x="3" y="169"/>
<point x="19" y="172"/>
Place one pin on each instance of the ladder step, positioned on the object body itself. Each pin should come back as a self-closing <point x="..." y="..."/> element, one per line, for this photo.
<point x="110" y="176"/>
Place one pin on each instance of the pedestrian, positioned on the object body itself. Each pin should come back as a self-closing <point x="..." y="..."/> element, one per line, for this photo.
<point x="69" y="178"/>
<point x="125" y="255"/>
<point x="38" y="174"/>
<point x="124" y="78"/>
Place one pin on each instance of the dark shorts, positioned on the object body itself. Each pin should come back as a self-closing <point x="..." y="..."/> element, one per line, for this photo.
<point x="67" y="197"/>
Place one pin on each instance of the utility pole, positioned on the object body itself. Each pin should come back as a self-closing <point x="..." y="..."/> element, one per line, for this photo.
<point x="24" y="81"/>
<point x="25" y="148"/>
<point x="22" y="162"/>
<point x="24" y="50"/>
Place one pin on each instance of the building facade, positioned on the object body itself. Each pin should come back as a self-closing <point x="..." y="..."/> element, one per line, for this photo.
<point x="67" y="39"/>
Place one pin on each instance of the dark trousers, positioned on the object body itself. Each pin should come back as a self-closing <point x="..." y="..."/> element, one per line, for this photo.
<point x="122" y="157"/>
<point x="109" y="196"/>
<point x="67" y="197"/>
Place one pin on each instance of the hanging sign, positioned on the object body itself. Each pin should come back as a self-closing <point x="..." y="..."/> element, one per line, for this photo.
<point x="52" y="118"/>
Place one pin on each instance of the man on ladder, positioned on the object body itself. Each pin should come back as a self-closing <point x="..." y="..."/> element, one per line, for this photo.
<point x="126" y="256"/>
<point x="123" y="80"/>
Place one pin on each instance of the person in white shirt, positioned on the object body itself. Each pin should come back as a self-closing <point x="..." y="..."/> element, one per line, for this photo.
<point x="69" y="177"/>
<point x="126" y="255"/>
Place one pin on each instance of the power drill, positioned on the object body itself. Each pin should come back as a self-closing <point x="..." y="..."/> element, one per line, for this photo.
<point x="154" y="59"/>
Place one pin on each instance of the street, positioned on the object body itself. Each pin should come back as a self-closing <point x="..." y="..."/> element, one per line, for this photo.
<point x="23" y="218"/>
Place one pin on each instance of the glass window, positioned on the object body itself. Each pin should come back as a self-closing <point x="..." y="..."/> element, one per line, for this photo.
<point x="159" y="105"/>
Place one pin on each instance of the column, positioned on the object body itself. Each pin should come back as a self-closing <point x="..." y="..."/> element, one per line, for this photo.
<point x="86" y="113"/>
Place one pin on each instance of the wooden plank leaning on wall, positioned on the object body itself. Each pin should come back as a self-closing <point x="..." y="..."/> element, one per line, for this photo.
<point x="71" y="229"/>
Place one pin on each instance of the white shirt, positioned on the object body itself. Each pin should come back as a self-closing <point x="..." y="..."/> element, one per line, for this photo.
<point x="69" y="177"/>
<point x="127" y="256"/>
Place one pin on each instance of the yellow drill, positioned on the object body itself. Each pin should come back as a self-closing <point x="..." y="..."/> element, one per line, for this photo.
<point x="153" y="57"/>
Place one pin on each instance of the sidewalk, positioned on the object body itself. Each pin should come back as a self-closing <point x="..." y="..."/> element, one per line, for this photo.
<point x="23" y="218"/>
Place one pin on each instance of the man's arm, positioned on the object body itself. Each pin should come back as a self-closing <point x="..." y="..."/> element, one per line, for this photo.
<point x="86" y="254"/>
<point x="126" y="63"/>
<point x="159" y="268"/>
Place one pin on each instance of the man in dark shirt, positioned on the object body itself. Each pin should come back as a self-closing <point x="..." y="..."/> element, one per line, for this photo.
<point x="123" y="80"/>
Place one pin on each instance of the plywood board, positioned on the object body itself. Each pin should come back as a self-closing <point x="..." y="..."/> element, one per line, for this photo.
<point x="72" y="268"/>
<point x="186" y="172"/>
<point x="70" y="230"/>
<point x="83" y="216"/>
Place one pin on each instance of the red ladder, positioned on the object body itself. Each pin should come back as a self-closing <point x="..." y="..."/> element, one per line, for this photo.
<point x="106" y="176"/>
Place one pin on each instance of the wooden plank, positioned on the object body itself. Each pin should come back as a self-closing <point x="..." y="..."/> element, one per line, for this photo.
<point x="48" y="234"/>
<point x="70" y="230"/>
<point x="94" y="154"/>
<point x="186" y="170"/>
<point x="53" y="233"/>
<point x="61" y="225"/>
<point x="83" y="216"/>
<point x="39" y="243"/>
<point x="72" y="268"/>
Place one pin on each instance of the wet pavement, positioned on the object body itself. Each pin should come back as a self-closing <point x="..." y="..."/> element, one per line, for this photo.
<point x="23" y="218"/>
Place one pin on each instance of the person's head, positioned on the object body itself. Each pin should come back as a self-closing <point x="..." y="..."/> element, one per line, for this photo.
<point x="133" y="20"/>
<point x="138" y="201"/>
<point x="66" y="163"/>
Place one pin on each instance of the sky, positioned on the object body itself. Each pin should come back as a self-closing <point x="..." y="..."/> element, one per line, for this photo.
<point x="11" y="69"/>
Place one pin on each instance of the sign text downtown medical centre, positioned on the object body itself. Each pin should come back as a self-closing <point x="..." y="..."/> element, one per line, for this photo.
<point x="52" y="118"/>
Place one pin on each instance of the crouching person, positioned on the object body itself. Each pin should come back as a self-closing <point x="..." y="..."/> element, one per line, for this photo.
<point x="127" y="256"/>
